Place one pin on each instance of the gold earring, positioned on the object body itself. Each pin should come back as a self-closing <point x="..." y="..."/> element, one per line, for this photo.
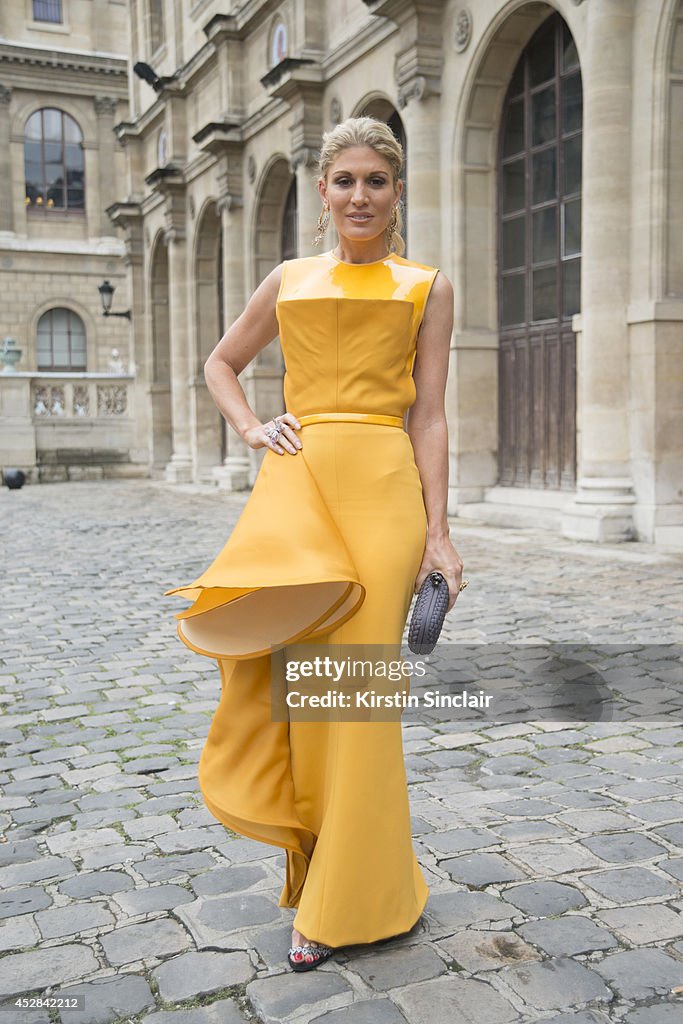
<point x="391" y="227"/>
<point x="323" y="221"/>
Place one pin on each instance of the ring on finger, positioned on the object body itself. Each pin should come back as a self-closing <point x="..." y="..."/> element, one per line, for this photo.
<point x="275" y="431"/>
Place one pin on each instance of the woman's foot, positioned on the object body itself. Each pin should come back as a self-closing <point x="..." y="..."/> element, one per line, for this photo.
<point x="305" y="954"/>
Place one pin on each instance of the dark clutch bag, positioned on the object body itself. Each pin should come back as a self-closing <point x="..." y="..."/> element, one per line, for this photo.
<point x="428" y="614"/>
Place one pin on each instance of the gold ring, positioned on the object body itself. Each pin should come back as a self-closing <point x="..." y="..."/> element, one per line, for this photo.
<point x="463" y="585"/>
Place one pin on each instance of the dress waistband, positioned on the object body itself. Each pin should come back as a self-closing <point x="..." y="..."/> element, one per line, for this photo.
<point x="360" y="417"/>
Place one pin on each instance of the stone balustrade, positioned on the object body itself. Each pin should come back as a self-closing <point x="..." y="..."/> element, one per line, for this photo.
<point x="69" y="426"/>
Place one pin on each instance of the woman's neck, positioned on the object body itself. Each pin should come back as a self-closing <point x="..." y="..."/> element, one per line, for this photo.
<point x="360" y="252"/>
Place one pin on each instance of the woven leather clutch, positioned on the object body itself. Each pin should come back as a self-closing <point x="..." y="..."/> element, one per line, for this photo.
<point x="428" y="614"/>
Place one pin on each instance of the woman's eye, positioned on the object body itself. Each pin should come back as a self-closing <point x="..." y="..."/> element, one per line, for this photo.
<point x="373" y="181"/>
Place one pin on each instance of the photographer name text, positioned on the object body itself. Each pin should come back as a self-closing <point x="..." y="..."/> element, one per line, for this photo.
<point x="398" y="699"/>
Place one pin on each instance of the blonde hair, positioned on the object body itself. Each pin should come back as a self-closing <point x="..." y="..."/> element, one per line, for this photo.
<point x="367" y="131"/>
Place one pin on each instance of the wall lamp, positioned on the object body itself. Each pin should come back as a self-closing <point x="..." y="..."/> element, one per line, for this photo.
<point x="106" y="291"/>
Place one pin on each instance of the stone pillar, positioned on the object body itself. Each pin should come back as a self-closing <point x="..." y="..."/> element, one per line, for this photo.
<point x="233" y="474"/>
<point x="179" y="469"/>
<point x="602" y="509"/>
<point x="304" y="163"/>
<point x="168" y="183"/>
<point x="105" y="108"/>
<point x="6" y="193"/>
<point x="128" y="217"/>
<point x="418" y="68"/>
<point x="420" y="110"/>
<point x="305" y="98"/>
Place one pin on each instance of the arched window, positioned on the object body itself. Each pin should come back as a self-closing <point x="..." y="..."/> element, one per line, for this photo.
<point x="540" y="182"/>
<point x="61" y="341"/>
<point x="53" y="162"/>
<point x="539" y="261"/>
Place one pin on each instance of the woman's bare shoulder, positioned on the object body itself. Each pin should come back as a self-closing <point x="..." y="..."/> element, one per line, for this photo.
<point x="442" y="288"/>
<point x="269" y="287"/>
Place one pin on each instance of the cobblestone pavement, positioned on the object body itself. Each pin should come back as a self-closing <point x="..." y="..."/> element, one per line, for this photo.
<point x="553" y="850"/>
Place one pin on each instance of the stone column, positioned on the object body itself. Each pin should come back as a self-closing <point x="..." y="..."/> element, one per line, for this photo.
<point x="105" y="108"/>
<point x="420" y="109"/>
<point x="418" y="68"/>
<point x="169" y="184"/>
<point x="233" y="474"/>
<point x="299" y="84"/>
<point x="128" y="217"/>
<point x="304" y="163"/>
<point x="602" y="509"/>
<point x="6" y="192"/>
<point x="304" y="95"/>
<point x="179" y="469"/>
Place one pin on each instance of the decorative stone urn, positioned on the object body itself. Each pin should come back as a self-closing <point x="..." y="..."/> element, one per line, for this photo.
<point x="10" y="355"/>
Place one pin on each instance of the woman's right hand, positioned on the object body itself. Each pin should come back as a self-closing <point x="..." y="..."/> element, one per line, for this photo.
<point x="256" y="437"/>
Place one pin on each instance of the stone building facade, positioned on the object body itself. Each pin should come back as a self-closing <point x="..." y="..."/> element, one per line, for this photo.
<point x="544" y="175"/>
<point x="66" y="411"/>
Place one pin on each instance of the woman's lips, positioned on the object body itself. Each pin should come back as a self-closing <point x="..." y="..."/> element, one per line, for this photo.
<point x="360" y="217"/>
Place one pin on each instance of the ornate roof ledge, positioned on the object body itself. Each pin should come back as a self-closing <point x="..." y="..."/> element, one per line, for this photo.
<point x="73" y="60"/>
<point x="239" y="24"/>
<point x="170" y="175"/>
<point x="217" y="132"/>
<point x="287" y="66"/>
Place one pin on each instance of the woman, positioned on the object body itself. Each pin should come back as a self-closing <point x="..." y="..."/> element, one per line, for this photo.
<point x="346" y="518"/>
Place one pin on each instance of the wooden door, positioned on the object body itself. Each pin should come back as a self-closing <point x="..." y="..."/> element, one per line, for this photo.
<point x="539" y="262"/>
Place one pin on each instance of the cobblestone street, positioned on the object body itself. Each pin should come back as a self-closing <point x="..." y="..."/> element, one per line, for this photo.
<point x="553" y="850"/>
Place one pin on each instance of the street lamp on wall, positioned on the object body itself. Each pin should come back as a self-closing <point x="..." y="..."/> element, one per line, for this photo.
<point x="106" y="291"/>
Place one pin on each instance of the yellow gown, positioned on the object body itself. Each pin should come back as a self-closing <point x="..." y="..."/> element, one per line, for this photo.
<point x="327" y="548"/>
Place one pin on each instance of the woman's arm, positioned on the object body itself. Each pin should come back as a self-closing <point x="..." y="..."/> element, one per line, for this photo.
<point x="428" y="431"/>
<point x="252" y="331"/>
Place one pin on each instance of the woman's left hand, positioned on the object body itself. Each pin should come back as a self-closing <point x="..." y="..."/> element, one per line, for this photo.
<point x="441" y="555"/>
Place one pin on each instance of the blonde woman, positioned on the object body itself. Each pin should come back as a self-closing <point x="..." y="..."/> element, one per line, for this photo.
<point x="346" y="518"/>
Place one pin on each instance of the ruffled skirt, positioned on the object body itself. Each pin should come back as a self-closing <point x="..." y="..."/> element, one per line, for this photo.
<point x="327" y="548"/>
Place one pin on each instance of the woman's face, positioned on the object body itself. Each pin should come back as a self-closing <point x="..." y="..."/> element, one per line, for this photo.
<point x="360" y="193"/>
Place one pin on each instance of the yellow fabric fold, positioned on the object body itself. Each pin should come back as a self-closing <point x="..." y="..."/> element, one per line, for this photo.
<point x="284" y="574"/>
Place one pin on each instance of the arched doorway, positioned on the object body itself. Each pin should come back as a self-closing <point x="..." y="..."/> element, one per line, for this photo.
<point x="289" y="248"/>
<point x="275" y="233"/>
<point x="274" y="195"/>
<point x="160" y="377"/>
<point x="208" y="444"/>
<point x="385" y="111"/>
<point x="539" y="262"/>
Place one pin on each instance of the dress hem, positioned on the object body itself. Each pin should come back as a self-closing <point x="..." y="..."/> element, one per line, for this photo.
<point x="319" y="627"/>
<point x="288" y="903"/>
<point x="223" y="819"/>
<point x="362" y="942"/>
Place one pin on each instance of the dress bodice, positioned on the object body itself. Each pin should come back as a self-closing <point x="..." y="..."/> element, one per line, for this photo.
<point x="348" y="333"/>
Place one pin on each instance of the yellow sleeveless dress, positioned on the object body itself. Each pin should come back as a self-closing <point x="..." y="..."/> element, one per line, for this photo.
<point x="327" y="548"/>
